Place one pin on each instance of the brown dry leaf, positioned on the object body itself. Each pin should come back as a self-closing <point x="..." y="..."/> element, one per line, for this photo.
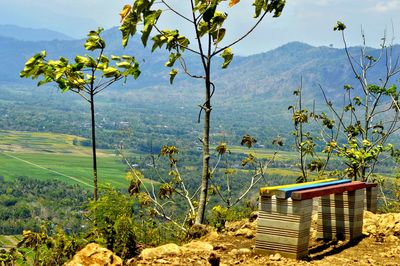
<point x="125" y="11"/>
<point x="233" y="2"/>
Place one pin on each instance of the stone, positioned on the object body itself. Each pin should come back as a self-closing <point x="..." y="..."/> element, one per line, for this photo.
<point x="221" y="247"/>
<point x="275" y="257"/>
<point x="246" y="232"/>
<point x="95" y="255"/>
<point x="162" y="261"/>
<point x="253" y="216"/>
<point x="244" y="251"/>
<point x="170" y="249"/>
<point x="214" y="260"/>
<point x="197" y="247"/>
<point x="233" y="252"/>
<point x="198" y="231"/>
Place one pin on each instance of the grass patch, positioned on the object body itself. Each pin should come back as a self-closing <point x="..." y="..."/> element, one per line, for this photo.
<point x="9" y="241"/>
<point x="46" y="156"/>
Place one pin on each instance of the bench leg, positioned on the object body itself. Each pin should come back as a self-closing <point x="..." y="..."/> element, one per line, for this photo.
<point x="371" y="197"/>
<point x="283" y="226"/>
<point x="340" y="216"/>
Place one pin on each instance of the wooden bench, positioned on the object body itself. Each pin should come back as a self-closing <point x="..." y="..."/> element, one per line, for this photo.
<point x="284" y="220"/>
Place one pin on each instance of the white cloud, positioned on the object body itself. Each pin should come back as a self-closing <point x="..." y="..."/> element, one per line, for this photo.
<point x="385" y="6"/>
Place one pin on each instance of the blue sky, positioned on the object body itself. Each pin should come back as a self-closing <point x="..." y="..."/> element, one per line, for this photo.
<point x="309" y="21"/>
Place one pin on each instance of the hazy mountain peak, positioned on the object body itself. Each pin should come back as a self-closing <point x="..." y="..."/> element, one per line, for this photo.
<point x="30" y="34"/>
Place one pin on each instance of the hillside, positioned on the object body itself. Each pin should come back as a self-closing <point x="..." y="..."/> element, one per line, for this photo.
<point x="252" y="95"/>
<point x="379" y="246"/>
<point x="29" y="34"/>
<point x="268" y="75"/>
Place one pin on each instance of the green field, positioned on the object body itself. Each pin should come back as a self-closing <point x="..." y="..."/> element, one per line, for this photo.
<point x="53" y="156"/>
<point x="9" y="241"/>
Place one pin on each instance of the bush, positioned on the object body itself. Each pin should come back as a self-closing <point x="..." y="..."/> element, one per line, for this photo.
<point x="112" y="223"/>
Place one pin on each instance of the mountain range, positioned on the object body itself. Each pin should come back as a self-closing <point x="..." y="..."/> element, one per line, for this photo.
<point x="29" y="34"/>
<point x="253" y="93"/>
<point x="270" y="74"/>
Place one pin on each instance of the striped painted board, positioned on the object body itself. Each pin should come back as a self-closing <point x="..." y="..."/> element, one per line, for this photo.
<point x="322" y="191"/>
<point x="270" y="191"/>
<point x="370" y="185"/>
<point x="285" y="193"/>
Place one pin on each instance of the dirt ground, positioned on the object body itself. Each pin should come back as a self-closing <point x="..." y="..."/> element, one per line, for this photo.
<point x="380" y="245"/>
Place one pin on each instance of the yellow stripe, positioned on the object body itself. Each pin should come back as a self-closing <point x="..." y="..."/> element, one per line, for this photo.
<point x="269" y="191"/>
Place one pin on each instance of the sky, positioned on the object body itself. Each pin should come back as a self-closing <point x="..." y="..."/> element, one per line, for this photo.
<point x="309" y="21"/>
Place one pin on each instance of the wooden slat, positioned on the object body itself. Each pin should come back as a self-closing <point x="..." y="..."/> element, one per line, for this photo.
<point x="285" y="193"/>
<point x="369" y="185"/>
<point x="270" y="191"/>
<point x="334" y="189"/>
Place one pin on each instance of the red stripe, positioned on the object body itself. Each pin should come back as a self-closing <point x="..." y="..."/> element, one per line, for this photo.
<point x="335" y="189"/>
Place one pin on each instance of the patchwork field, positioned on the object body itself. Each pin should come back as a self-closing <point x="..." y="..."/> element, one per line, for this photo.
<point x="53" y="156"/>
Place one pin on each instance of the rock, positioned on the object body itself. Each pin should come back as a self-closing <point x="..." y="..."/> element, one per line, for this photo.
<point x="161" y="251"/>
<point x="197" y="231"/>
<point x="253" y="216"/>
<point x="197" y="247"/>
<point x="211" y="236"/>
<point x="221" y="247"/>
<point x="382" y="226"/>
<point x="234" y="226"/>
<point x="241" y="251"/>
<point x="248" y="233"/>
<point x="275" y="257"/>
<point x="233" y="252"/>
<point x="95" y="255"/>
<point x="244" y="251"/>
<point x="214" y="260"/>
<point x="162" y="261"/>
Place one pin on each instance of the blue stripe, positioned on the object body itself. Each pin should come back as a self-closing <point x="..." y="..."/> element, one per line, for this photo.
<point x="288" y="191"/>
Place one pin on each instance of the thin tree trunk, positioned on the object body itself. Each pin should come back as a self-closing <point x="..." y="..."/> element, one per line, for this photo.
<point x="205" y="176"/>
<point x="93" y="147"/>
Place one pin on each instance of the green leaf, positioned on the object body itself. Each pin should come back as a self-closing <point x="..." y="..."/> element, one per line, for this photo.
<point x="172" y="58"/>
<point x="94" y="41"/>
<point x="339" y="26"/>
<point x="209" y="13"/>
<point x="357" y="101"/>
<point x="128" y="27"/>
<point x="222" y="148"/>
<point x="391" y="91"/>
<point x="104" y="59"/>
<point x="44" y="81"/>
<point x="218" y="35"/>
<point x="203" y="28"/>
<point x="124" y="65"/>
<point x="150" y="18"/>
<point x="248" y="140"/>
<point x="172" y="75"/>
<point x="227" y="56"/>
<point x="258" y="5"/>
<point x="115" y="58"/>
<point x="82" y="60"/>
<point x="37" y="57"/>
<point x="111" y="72"/>
<point x="375" y="88"/>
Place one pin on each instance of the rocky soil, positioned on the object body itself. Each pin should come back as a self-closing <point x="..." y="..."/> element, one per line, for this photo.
<point x="379" y="246"/>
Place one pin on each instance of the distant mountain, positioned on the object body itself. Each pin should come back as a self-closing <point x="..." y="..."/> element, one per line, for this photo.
<point x="29" y="34"/>
<point x="251" y="96"/>
<point x="268" y="76"/>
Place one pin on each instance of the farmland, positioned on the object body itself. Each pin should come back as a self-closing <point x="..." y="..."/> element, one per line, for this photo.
<point x="54" y="156"/>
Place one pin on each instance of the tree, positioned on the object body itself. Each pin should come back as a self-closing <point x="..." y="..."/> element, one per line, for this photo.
<point x="370" y="112"/>
<point x="207" y="23"/>
<point x="304" y="139"/>
<point x="86" y="76"/>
